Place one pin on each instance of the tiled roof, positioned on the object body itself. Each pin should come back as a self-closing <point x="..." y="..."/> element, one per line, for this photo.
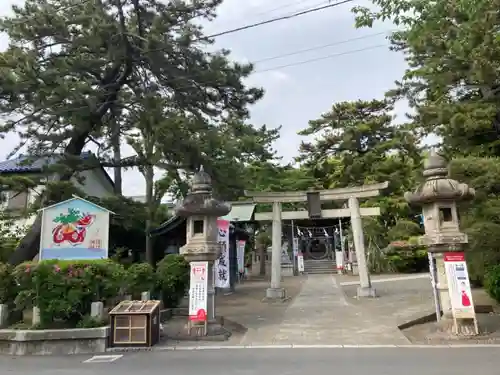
<point x="24" y="164"/>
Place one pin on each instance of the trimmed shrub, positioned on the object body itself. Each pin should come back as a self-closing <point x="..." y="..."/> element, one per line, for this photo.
<point x="141" y="277"/>
<point x="172" y="273"/>
<point x="492" y="282"/>
<point x="8" y="288"/>
<point x="64" y="290"/>
<point x="412" y="261"/>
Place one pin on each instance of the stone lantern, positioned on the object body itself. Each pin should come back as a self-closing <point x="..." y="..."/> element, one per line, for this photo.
<point x="438" y="196"/>
<point x="201" y="211"/>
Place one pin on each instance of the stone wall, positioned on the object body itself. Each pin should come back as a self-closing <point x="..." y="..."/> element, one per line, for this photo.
<point x="54" y="341"/>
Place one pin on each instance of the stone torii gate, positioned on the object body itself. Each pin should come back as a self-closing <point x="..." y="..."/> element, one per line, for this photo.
<point x="314" y="199"/>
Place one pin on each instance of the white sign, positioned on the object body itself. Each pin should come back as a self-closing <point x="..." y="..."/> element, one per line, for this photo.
<point x="198" y="286"/>
<point x="300" y="262"/>
<point x="339" y="260"/>
<point x="222" y="262"/>
<point x="459" y="286"/>
<point x="295" y="246"/>
<point x="240" y="255"/>
<point x="74" y="229"/>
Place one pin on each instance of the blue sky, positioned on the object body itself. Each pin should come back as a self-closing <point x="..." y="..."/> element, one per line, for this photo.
<point x="362" y="68"/>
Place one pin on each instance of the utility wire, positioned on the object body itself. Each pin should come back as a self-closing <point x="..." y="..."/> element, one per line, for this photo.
<point x="318" y="47"/>
<point x="288" y="5"/>
<point x="275" y="19"/>
<point x="320" y="58"/>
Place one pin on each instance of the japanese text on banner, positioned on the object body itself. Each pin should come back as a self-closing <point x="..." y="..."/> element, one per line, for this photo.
<point x="198" y="291"/>
<point x="222" y="262"/>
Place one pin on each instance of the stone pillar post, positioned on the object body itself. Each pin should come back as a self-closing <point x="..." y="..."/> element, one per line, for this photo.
<point x="365" y="288"/>
<point x="442" y="287"/>
<point x="275" y="291"/>
<point x="211" y="313"/>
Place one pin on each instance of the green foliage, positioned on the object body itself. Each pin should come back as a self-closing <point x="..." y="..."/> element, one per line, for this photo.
<point x="453" y="70"/>
<point x="64" y="290"/>
<point x="357" y="143"/>
<point x="109" y="72"/>
<point x="492" y="282"/>
<point x="7" y="283"/>
<point x="172" y="273"/>
<point x="410" y="261"/>
<point x="404" y="229"/>
<point x="141" y="277"/>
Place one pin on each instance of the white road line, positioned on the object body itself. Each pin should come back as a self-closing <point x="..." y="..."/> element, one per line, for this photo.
<point x="103" y="358"/>
<point x="389" y="279"/>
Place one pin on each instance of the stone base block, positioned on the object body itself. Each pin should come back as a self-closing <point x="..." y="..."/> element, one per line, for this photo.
<point x="54" y="341"/>
<point x="215" y="332"/>
<point x="364" y="292"/>
<point x="275" y="293"/>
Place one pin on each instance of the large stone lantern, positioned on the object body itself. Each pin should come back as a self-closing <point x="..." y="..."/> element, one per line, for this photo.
<point x="201" y="211"/>
<point x="438" y="196"/>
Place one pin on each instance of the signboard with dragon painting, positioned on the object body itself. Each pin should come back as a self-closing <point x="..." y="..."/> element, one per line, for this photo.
<point x="74" y="229"/>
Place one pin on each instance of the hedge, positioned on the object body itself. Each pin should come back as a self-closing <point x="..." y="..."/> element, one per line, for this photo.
<point x="65" y="290"/>
<point x="492" y="282"/>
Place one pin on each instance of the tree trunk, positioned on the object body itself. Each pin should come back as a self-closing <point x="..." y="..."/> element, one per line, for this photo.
<point x="149" y="176"/>
<point x="115" y="143"/>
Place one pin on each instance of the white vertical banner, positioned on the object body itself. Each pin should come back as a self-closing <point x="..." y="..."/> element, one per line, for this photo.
<point x="295" y="246"/>
<point x="300" y="262"/>
<point x="198" y="288"/>
<point x="222" y="262"/>
<point x="240" y="255"/>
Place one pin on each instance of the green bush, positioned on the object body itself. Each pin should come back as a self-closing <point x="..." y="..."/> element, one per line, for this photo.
<point x="141" y="277"/>
<point x="172" y="273"/>
<point x="64" y="290"/>
<point x="492" y="282"/>
<point x="413" y="261"/>
<point x="8" y="288"/>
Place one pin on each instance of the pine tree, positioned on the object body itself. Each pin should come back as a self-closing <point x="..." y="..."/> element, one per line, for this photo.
<point x="73" y="64"/>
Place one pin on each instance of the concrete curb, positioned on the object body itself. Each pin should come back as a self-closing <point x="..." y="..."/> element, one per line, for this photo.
<point x="427" y="318"/>
<point x="297" y="346"/>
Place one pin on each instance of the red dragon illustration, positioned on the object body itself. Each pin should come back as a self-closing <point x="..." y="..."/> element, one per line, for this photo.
<point x="71" y="227"/>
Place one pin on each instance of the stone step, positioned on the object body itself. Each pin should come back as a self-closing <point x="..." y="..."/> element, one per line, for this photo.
<point x="321" y="266"/>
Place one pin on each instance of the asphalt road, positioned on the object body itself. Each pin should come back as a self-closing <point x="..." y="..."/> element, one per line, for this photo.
<point x="310" y="361"/>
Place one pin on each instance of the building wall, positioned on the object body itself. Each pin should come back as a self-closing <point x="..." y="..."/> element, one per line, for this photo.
<point x="94" y="184"/>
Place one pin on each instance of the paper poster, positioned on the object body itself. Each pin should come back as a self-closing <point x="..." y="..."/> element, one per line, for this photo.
<point x="459" y="286"/>
<point x="222" y="262"/>
<point x="300" y="262"/>
<point x="198" y="292"/>
<point x="240" y="255"/>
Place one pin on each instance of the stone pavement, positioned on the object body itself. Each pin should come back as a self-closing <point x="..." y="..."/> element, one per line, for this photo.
<point x="322" y="310"/>
<point x="322" y="315"/>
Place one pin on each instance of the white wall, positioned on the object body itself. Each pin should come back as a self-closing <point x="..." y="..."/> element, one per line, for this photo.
<point x="95" y="184"/>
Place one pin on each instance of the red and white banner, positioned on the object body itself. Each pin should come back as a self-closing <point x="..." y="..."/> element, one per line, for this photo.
<point x="459" y="286"/>
<point x="221" y="266"/>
